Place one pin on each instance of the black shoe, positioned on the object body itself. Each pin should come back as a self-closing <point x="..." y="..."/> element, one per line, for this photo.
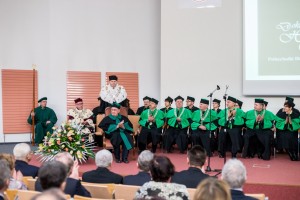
<point x="118" y="161"/>
<point x="221" y="155"/>
<point x="233" y="155"/>
<point x="126" y="161"/>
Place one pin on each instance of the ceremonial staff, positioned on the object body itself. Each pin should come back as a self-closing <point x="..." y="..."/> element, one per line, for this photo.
<point x="33" y="106"/>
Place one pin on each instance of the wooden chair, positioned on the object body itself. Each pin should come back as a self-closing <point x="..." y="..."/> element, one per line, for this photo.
<point x="257" y="196"/>
<point x="11" y="194"/>
<point x="126" y="192"/>
<point x="97" y="190"/>
<point x="26" y="194"/>
<point x="31" y="184"/>
<point x="191" y="192"/>
<point x="77" y="197"/>
<point x="99" y="131"/>
<point x="25" y="180"/>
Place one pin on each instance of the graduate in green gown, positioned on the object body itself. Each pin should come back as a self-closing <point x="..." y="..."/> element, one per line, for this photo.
<point x="179" y="119"/>
<point x="203" y="125"/>
<point x="231" y="122"/>
<point x="118" y="129"/>
<point x="152" y="121"/>
<point x="44" y="119"/>
<point x="165" y="110"/>
<point x="287" y="124"/>
<point x="259" y="123"/>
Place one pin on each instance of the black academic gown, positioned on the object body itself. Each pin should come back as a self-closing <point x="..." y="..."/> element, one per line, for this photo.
<point x="141" y="109"/>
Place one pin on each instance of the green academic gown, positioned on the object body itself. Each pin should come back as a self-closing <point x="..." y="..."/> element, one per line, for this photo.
<point x="42" y="115"/>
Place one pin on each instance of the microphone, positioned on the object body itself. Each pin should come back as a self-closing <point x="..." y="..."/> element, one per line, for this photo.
<point x="225" y="95"/>
<point x="218" y="88"/>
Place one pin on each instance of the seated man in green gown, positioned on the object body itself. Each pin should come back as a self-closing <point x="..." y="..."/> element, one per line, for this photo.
<point x="44" y="120"/>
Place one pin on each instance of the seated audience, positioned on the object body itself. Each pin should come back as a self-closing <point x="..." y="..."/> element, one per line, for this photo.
<point x="53" y="175"/>
<point x="191" y="177"/>
<point x="161" y="170"/>
<point x="16" y="177"/>
<point x="23" y="155"/>
<point x="73" y="183"/>
<point x="102" y="174"/>
<point x="4" y="178"/>
<point x="143" y="164"/>
<point x="212" y="188"/>
<point x="234" y="173"/>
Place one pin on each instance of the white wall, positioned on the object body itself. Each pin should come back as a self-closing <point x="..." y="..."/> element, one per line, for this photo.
<point x="202" y="48"/>
<point x="94" y="35"/>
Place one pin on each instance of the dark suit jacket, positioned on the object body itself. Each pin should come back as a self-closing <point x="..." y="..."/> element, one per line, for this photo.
<point x="190" y="178"/>
<point x="239" y="195"/>
<point x="26" y="169"/>
<point x="102" y="175"/>
<point x="138" y="179"/>
<point x="1" y="197"/>
<point x="73" y="187"/>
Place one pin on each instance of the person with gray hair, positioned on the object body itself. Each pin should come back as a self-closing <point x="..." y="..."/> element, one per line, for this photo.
<point x="23" y="155"/>
<point x="4" y="177"/>
<point x="102" y="174"/>
<point x="143" y="164"/>
<point x="73" y="183"/>
<point x="234" y="173"/>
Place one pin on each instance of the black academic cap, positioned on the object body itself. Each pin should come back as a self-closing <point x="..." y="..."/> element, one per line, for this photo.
<point x="154" y="100"/>
<point x="190" y="98"/>
<point x="116" y="105"/>
<point x="147" y="98"/>
<point x="217" y="101"/>
<point x="231" y="99"/>
<point x="169" y="99"/>
<point x="266" y="103"/>
<point x="258" y="100"/>
<point x="205" y="101"/>
<point x="42" y="99"/>
<point x="179" y="97"/>
<point x="78" y="100"/>
<point x="240" y="103"/>
<point x="291" y="99"/>
<point x="113" y="77"/>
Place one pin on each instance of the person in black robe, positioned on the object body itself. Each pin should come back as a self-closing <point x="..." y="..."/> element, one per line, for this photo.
<point x="146" y="100"/>
<point x="118" y="129"/>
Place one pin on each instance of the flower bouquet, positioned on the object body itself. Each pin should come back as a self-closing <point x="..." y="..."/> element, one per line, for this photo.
<point x="68" y="137"/>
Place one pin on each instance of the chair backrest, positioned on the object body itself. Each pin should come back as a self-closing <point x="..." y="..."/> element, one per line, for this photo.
<point x="258" y="196"/>
<point x="126" y="192"/>
<point x="31" y="184"/>
<point x="97" y="190"/>
<point x="11" y="194"/>
<point x="26" y="194"/>
<point x="134" y="119"/>
<point x="191" y="192"/>
<point x="77" y="197"/>
<point x="25" y="180"/>
<point x="98" y="120"/>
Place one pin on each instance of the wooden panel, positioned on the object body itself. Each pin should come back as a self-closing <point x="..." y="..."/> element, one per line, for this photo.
<point x="17" y="99"/>
<point x="130" y="81"/>
<point x="85" y="85"/>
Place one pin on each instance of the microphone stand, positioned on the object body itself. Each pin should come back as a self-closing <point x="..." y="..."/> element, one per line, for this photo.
<point x="225" y="121"/>
<point x="208" y="169"/>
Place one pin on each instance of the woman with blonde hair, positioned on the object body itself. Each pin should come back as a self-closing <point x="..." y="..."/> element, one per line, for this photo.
<point x="212" y="189"/>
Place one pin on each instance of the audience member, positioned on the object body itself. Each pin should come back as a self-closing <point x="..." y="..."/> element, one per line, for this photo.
<point x="212" y="188"/>
<point x="234" y="173"/>
<point x="143" y="164"/>
<point x="16" y="177"/>
<point x="191" y="177"/>
<point x="102" y="174"/>
<point x="161" y="170"/>
<point x="73" y="183"/>
<point x="52" y="177"/>
<point x="4" y="177"/>
<point x="23" y="155"/>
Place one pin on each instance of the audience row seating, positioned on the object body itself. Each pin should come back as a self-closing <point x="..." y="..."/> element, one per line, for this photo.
<point x="106" y="191"/>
